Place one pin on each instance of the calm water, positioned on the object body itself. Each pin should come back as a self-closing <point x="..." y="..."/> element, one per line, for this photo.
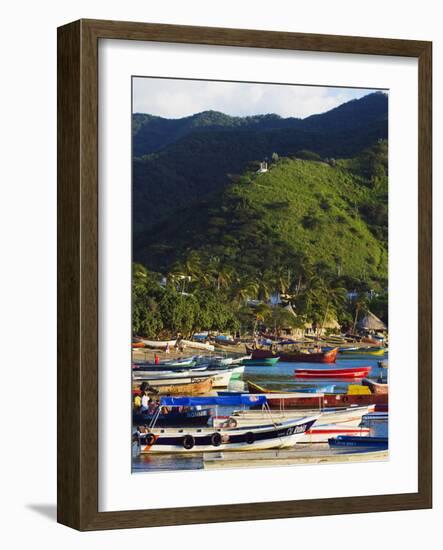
<point x="278" y="377"/>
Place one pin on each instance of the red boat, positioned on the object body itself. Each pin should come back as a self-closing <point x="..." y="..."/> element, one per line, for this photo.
<point x="317" y="357"/>
<point x="295" y="356"/>
<point x="326" y="400"/>
<point x="349" y="372"/>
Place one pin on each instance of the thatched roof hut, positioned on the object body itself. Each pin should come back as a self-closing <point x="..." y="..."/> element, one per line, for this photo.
<point x="372" y="322"/>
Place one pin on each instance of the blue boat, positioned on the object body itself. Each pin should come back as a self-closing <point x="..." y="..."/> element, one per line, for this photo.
<point x="359" y="442"/>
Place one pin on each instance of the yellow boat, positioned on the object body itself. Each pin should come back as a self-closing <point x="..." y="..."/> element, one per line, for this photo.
<point x="365" y="351"/>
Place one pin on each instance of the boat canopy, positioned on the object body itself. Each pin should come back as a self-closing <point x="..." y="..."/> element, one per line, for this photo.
<point x="225" y="400"/>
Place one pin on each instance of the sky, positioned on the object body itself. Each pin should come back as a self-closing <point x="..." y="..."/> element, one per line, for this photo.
<point x="171" y="98"/>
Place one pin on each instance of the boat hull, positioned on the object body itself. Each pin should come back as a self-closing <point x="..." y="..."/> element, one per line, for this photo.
<point x="265" y="362"/>
<point x="327" y="400"/>
<point x="375" y="387"/>
<point x="346" y="373"/>
<point x="320" y="357"/>
<point x="369" y="443"/>
<point x="219" y="440"/>
<point x="350" y="417"/>
<point x="195" y="387"/>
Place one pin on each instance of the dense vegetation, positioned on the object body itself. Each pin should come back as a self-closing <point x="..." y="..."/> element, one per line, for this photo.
<point x="177" y="161"/>
<point x="211" y="232"/>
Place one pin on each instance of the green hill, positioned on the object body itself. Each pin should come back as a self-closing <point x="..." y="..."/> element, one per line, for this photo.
<point x="177" y="162"/>
<point x="299" y="212"/>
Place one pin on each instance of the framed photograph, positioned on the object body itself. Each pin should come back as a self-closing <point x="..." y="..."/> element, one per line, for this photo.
<point x="244" y="275"/>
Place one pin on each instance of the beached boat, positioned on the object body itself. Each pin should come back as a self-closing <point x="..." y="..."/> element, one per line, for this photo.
<point x="174" y="418"/>
<point x="137" y="344"/>
<point x="187" y="386"/>
<point x="264" y="436"/>
<point x="177" y="364"/>
<point x="314" y="357"/>
<point x="198" y="345"/>
<point x="265" y="362"/>
<point x="171" y="343"/>
<point x="336" y="373"/>
<point x="296" y="400"/>
<point x="375" y="387"/>
<point x="163" y="344"/>
<point x="359" y="443"/>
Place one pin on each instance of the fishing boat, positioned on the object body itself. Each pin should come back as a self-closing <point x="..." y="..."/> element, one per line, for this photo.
<point x="177" y="364"/>
<point x="158" y="344"/>
<point x="268" y="435"/>
<point x="297" y="400"/>
<point x="260" y="353"/>
<point x="322" y="434"/>
<point x="351" y="417"/>
<point x="376" y="387"/>
<point x="265" y="362"/>
<point x="187" y="386"/>
<point x="137" y="343"/>
<point x="174" y="418"/>
<point x="373" y="351"/>
<point x="346" y="373"/>
<point x="198" y="345"/>
<point x="309" y="357"/>
<point x="359" y="443"/>
<point x="171" y="343"/>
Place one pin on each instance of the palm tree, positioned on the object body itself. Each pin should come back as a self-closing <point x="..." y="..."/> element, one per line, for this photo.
<point x="361" y="305"/>
<point x="244" y="289"/>
<point x="261" y="312"/>
<point x="333" y="296"/>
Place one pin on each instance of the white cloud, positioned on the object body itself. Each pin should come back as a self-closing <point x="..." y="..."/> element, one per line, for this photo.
<point x="173" y="98"/>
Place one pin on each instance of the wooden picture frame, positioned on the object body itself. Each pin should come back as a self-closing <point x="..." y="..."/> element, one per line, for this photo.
<point x="78" y="274"/>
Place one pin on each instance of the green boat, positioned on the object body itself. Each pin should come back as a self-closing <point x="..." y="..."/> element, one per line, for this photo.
<point x="265" y="362"/>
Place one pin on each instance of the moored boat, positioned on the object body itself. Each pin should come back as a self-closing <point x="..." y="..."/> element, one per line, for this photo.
<point x="373" y="351"/>
<point x="264" y="436"/>
<point x="295" y="400"/>
<point x="265" y="362"/>
<point x="361" y="443"/>
<point x="336" y="373"/>
<point x="260" y="353"/>
<point x="376" y="387"/>
<point x="309" y="357"/>
<point x="350" y="416"/>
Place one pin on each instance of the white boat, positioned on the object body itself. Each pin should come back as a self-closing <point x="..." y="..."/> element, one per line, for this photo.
<point x="161" y="378"/>
<point x="158" y="344"/>
<point x="220" y="378"/>
<point x="351" y="416"/>
<point x="198" y="345"/>
<point x="162" y="344"/>
<point x="269" y="435"/>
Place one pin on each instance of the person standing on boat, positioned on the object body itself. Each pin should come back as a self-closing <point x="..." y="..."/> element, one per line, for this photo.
<point x="156" y="359"/>
<point x="167" y="350"/>
<point x="137" y="402"/>
<point x="145" y="401"/>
